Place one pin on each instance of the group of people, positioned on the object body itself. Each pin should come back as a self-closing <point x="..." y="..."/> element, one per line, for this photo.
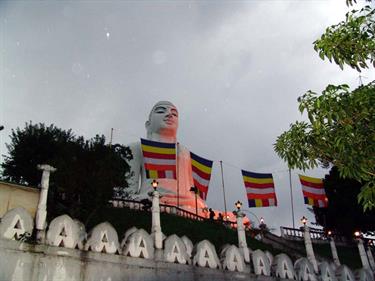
<point x="220" y="216"/>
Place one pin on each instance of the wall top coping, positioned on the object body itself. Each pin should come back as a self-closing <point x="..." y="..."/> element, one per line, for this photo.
<point x="20" y="186"/>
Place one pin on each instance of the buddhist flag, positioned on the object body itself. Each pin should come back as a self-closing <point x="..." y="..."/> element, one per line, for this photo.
<point x="201" y="168"/>
<point x="260" y="189"/>
<point x="159" y="159"/>
<point x="313" y="191"/>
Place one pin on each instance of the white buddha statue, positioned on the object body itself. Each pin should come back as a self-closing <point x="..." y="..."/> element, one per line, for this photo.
<point x="162" y="126"/>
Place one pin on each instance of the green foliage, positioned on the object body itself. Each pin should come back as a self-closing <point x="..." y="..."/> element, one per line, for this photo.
<point x="33" y="145"/>
<point x="348" y="255"/>
<point x="123" y="218"/>
<point x="87" y="170"/>
<point x="341" y="127"/>
<point x="350" y="42"/>
<point x="352" y="2"/>
<point x="219" y="235"/>
<point x="341" y="132"/>
<point x="344" y="215"/>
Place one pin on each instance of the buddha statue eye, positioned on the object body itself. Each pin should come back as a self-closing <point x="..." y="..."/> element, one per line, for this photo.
<point x="160" y="109"/>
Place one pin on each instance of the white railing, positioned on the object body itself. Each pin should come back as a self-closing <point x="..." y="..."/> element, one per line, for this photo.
<point x="297" y="234"/>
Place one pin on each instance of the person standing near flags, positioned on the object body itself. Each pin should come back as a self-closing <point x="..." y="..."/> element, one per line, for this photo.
<point x="161" y="126"/>
<point x="212" y="214"/>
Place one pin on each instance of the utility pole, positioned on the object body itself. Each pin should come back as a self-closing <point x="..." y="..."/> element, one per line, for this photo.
<point x="111" y="138"/>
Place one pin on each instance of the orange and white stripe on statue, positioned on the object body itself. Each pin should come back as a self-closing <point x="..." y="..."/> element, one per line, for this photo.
<point x="313" y="191"/>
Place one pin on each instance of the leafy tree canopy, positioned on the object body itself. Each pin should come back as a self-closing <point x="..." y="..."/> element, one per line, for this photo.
<point x="87" y="170"/>
<point x="344" y="215"/>
<point x="341" y="127"/>
<point x="350" y="42"/>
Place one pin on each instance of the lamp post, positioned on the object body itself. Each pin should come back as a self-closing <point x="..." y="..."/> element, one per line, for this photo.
<point x="251" y="213"/>
<point x="262" y="226"/>
<point x="156" y="228"/>
<point x="242" y="244"/>
<point x="308" y="244"/>
<point x="238" y="205"/>
<point x="369" y="255"/>
<point x="154" y="184"/>
<point x="333" y="248"/>
<point x="361" y="249"/>
<point x="195" y="190"/>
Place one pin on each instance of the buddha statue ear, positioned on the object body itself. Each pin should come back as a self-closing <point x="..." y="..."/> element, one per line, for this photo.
<point x="147" y="125"/>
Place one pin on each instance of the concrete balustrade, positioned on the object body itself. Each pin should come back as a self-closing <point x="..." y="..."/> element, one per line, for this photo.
<point x="69" y="253"/>
<point x="61" y="259"/>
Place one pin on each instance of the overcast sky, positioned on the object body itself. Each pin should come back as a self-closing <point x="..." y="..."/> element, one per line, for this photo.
<point x="233" y="69"/>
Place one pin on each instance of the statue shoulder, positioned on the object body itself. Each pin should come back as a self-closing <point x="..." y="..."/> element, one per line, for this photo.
<point x="183" y="151"/>
<point x="134" y="145"/>
<point x="135" y="148"/>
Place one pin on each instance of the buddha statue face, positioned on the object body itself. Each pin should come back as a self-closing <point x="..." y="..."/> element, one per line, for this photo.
<point x="163" y="120"/>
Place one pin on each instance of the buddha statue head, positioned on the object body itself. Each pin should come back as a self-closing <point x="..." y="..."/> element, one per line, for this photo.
<point x="162" y="122"/>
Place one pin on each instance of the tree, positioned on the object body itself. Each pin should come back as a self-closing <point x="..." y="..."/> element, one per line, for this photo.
<point x="341" y="127"/>
<point x="87" y="170"/>
<point x="343" y="215"/>
<point x="350" y="42"/>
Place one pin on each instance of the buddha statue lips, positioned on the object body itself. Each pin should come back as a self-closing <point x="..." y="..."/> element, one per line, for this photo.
<point x="169" y="121"/>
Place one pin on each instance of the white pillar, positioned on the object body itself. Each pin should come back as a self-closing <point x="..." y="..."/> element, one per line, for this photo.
<point x="282" y="232"/>
<point x="309" y="248"/>
<point x="370" y="258"/>
<point x="334" y="251"/>
<point x="156" y="228"/>
<point x="41" y="213"/>
<point x="362" y="254"/>
<point x="242" y="244"/>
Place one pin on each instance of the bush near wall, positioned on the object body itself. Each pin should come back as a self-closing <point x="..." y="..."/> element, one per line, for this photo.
<point x="218" y="234"/>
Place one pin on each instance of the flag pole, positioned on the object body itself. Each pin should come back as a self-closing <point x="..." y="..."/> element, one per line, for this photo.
<point x="222" y="181"/>
<point x="291" y="195"/>
<point x="177" y="176"/>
